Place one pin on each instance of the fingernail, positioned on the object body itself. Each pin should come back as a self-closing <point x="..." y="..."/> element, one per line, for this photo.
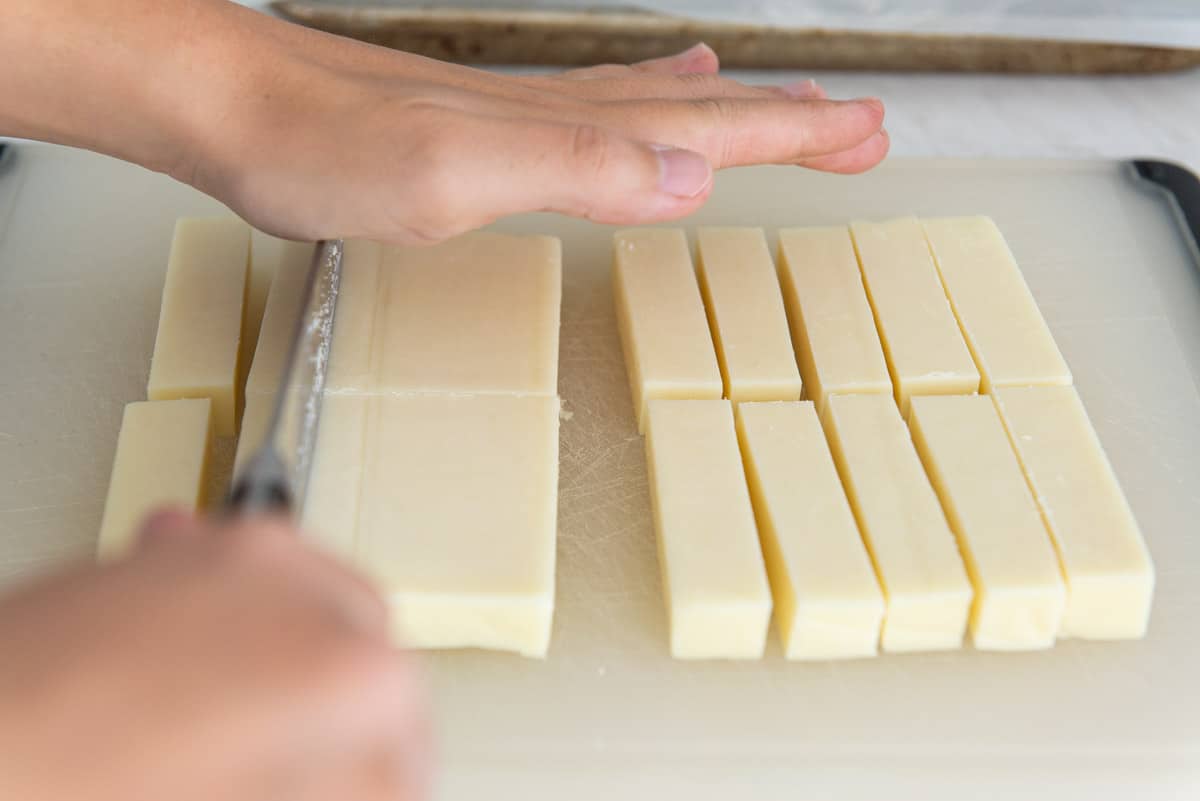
<point x="682" y="173"/>
<point x="802" y="89"/>
<point x="695" y="50"/>
<point x="869" y="101"/>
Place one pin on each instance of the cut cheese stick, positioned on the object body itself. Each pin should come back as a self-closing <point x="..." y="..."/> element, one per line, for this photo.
<point x="255" y="419"/>
<point x="331" y="503"/>
<point x="925" y="351"/>
<point x="1019" y="590"/>
<point x="1110" y="578"/>
<point x="354" y="349"/>
<point x="713" y="576"/>
<point x="197" y="350"/>
<point x="1000" y="321"/>
<point x="828" y="604"/>
<point x="457" y="518"/>
<point x="267" y="253"/>
<point x="278" y="328"/>
<point x="162" y="459"/>
<point x="745" y="312"/>
<point x="476" y="314"/>
<point x="833" y="330"/>
<point x="915" y="555"/>
<point x="664" y="334"/>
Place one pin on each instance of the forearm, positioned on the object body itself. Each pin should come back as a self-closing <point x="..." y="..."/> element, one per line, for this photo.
<point x="135" y="79"/>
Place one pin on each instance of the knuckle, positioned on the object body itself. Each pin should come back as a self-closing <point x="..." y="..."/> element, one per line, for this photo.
<point x="703" y="84"/>
<point x="589" y="151"/>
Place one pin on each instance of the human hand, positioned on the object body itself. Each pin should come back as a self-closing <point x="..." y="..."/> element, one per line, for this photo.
<point x="219" y="662"/>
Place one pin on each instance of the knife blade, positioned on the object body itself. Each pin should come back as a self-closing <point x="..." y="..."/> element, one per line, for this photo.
<point x="275" y="477"/>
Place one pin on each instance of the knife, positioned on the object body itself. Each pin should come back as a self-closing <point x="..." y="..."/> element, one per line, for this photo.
<point x="275" y="477"/>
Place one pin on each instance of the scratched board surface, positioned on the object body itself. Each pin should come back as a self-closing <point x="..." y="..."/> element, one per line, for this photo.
<point x="609" y="714"/>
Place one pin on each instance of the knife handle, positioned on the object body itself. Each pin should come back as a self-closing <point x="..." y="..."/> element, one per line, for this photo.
<point x="262" y="488"/>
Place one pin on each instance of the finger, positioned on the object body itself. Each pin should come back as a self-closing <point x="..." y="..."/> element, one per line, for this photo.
<point x="699" y="58"/>
<point x="804" y="90"/>
<point x="165" y="525"/>
<point x="857" y="159"/>
<point x="649" y="86"/>
<point x="734" y="132"/>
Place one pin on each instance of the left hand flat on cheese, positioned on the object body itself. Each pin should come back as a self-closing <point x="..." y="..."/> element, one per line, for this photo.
<point x="713" y="576"/>
<point x="745" y="312"/>
<point x="476" y="314"/>
<point x="198" y="346"/>
<point x="1001" y="322"/>
<point x="828" y="604"/>
<point x="161" y="459"/>
<point x="1019" y="590"/>
<point x="330" y="514"/>
<point x="457" y="519"/>
<point x="1110" y="578"/>
<point x="925" y="350"/>
<point x="916" y="557"/>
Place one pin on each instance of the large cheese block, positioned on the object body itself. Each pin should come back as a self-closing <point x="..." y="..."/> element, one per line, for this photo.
<point x="925" y="350"/>
<point x="915" y="554"/>
<point x="1110" y="578"/>
<point x="329" y="516"/>
<point x="746" y="315"/>
<point x="828" y="604"/>
<point x="664" y="334"/>
<point x="1001" y="322"/>
<point x="161" y="459"/>
<point x="713" y="577"/>
<point x="476" y="314"/>
<point x="197" y="350"/>
<point x="1019" y="590"/>
<point x="457" y="517"/>
<point x="833" y="329"/>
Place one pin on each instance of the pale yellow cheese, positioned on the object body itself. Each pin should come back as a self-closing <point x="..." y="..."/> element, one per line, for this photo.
<point x="476" y="314"/>
<point x="925" y="351"/>
<point x="354" y="348"/>
<point x="255" y="419"/>
<point x="196" y="352"/>
<point x="278" y="329"/>
<point x="457" y="518"/>
<point x="161" y="459"/>
<point x="828" y="604"/>
<point x="1019" y="590"/>
<point x="267" y="253"/>
<point x="713" y="576"/>
<point x="330" y="514"/>
<point x="915" y="555"/>
<point x="664" y="334"/>
<point x="1000" y="321"/>
<point x="745" y="313"/>
<point x="833" y="330"/>
<point x="1110" y="578"/>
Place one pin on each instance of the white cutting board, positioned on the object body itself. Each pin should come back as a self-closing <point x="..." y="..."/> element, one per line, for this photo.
<point x="609" y="714"/>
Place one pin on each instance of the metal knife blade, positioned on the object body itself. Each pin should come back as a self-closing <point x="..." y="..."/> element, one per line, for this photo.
<point x="275" y="478"/>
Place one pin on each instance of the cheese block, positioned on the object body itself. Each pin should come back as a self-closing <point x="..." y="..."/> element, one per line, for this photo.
<point x="354" y="350"/>
<point x="828" y="604"/>
<point x="197" y="350"/>
<point x="745" y="313"/>
<point x="833" y="329"/>
<point x="925" y="351"/>
<point x="1019" y="590"/>
<point x="1000" y="321"/>
<point x="278" y="328"/>
<point x="457" y="517"/>
<point x="476" y="314"/>
<point x="330" y="513"/>
<point x="713" y="577"/>
<point x="1110" y="578"/>
<point x="267" y="253"/>
<point x="255" y="419"/>
<point x="916" y="558"/>
<point x="161" y="459"/>
<point x="664" y="334"/>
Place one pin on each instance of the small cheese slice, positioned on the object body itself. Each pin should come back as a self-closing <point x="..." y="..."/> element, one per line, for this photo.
<point x="925" y="351"/>
<point x="476" y="314"/>
<point x="255" y="419"/>
<point x="331" y="503"/>
<point x="714" y="580"/>
<point x="161" y="459"/>
<point x="1019" y="590"/>
<point x="354" y="348"/>
<point x="828" y="604"/>
<point x="833" y="330"/>
<point x="1000" y="321"/>
<point x="664" y="334"/>
<point x="278" y="328"/>
<point x="745" y="313"/>
<point x="915" y="555"/>
<point x="267" y="253"/>
<point x="457" y="518"/>
<point x="1110" y="578"/>
<point x="196" y="352"/>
